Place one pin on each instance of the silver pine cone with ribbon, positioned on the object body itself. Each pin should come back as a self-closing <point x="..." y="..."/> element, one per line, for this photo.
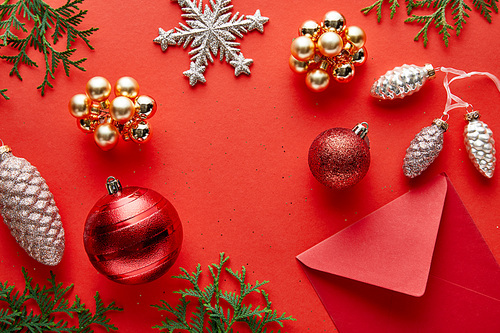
<point x="402" y="81"/>
<point x="480" y="145"/>
<point x="29" y="210"/>
<point x="424" y="148"/>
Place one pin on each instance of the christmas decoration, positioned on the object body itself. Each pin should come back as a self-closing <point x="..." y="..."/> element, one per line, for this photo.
<point x="424" y="148"/>
<point x="124" y="116"/>
<point x="132" y="235"/>
<point x="59" y="21"/>
<point x="480" y="145"/>
<point x="427" y="144"/>
<point x="29" y="210"/>
<point x="402" y="81"/>
<point x="15" y="315"/>
<point x="210" y="315"/>
<point x="2" y="92"/>
<point x="331" y="47"/>
<point x="438" y="17"/>
<point x="340" y="157"/>
<point x="210" y="32"/>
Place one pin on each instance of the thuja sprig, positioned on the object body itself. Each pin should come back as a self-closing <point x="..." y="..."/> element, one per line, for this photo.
<point x="46" y="20"/>
<point x="16" y="317"/>
<point x="2" y="92"/>
<point x="437" y="18"/>
<point x="213" y="315"/>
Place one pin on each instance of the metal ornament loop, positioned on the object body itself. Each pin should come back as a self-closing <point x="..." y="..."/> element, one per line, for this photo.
<point x="113" y="185"/>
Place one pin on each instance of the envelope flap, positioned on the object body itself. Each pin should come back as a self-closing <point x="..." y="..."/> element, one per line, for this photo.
<point x="392" y="247"/>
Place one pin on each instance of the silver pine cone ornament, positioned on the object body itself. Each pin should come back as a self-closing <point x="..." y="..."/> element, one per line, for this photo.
<point x="424" y="148"/>
<point x="29" y="210"/>
<point x="402" y="81"/>
<point x="480" y="145"/>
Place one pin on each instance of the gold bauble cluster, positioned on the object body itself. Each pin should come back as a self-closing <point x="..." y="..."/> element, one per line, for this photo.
<point x="123" y="116"/>
<point x="327" y="48"/>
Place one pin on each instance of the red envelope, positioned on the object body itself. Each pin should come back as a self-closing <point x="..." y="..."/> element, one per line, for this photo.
<point x="418" y="264"/>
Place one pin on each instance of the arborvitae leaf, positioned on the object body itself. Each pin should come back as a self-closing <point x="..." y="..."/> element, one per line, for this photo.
<point x="62" y="20"/>
<point x="210" y="315"/>
<point x="458" y="9"/>
<point x="2" y="92"/>
<point x="15" y="316"/>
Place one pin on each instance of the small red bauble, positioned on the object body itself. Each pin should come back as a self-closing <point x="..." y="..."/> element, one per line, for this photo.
<point x="340" y="157"/>
<point x="132" y="235"/>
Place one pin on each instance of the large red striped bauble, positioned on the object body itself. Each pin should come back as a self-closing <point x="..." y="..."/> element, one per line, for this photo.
<point x="133" y="236"/>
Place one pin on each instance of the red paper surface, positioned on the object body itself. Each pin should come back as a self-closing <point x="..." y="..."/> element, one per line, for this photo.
<point x="461" y="296"/>
<point x="231" y="155"/>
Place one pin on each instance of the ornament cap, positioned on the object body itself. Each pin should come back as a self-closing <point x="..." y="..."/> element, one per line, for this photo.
<point x="324" y="65"/>
<point x="361" y="129"/>
<point x="431" y="72"/>
<point x="4" y="149"/>
<point x="441" y="124"/>
<point x="469" y="116"/>
<point x="113" y="185"/>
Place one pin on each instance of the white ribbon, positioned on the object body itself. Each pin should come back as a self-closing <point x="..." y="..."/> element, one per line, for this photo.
<point x="452" y="100"/>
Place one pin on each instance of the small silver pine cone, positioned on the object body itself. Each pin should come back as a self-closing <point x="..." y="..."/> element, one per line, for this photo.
<point x="424" y="148"/>
<point x="29" y="210"/>
<point x="402" y="81"/>
<point x="478" y="138"/>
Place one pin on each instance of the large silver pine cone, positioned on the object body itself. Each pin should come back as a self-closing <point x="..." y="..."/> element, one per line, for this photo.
<point x="402" y="81"/>
<point x="29" y="210"/>
<point x="424" y="148"/>
<point x="480" y="145"/>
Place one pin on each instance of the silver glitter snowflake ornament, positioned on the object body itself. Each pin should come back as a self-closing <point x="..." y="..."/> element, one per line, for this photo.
<point x="210" y="32"/>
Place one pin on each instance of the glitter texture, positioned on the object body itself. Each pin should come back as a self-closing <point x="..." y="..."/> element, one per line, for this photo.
<point x="211" y="32"/>
<point x="401" y="82"/>
<point x="480" y="145"/>
<point x="423" y="150"/>
<point x="338" y="158"/>
<point x="133" y="236"/>
<point x="29" y="210"/>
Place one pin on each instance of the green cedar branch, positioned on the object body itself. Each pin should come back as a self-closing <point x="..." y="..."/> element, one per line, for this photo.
<point x="210" y="314"/>
<point x="16" y="317"/>
<point x="2" y="92"/>
<point x="459" y="12"/>
<point x="62" y="21"/>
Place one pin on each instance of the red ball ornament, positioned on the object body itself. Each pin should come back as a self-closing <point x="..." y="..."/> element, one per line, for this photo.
<point x="132" y="235"/>
<point x="340" y="157"/>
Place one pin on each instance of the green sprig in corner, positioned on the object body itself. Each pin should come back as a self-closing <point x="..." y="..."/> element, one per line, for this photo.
<point x="210" y="316"/>
<point x="62" y="21"/>
<point x="458" y="8"/>
<point x="15" y="317"/>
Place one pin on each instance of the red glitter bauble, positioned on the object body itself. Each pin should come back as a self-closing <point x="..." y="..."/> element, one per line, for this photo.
<point x="339" y="158"/>
<point x="133" y="235"/>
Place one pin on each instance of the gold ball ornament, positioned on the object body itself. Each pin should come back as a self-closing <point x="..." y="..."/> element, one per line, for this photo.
<point x="86" y="125"/>
<point x="298" y="66"/>
<point x="309" y="28"/>
<point x="79" y="106"/>
<point x="145" y="106"/>
<point x="344" y="73"/>
<point x="359" y="57"/>
<point x="356" y="36"/>
<point x="122" y="109"/>
<point x="317" y="80"/>
<point x="140" y="132"/>
<point x="127" y="86"/>
<point x="302" y="48"/>
<point x="330" y="44"/>
<point x="98" y="88"/>
<point x="106" y="136"/>
<point x="333" y="20"/>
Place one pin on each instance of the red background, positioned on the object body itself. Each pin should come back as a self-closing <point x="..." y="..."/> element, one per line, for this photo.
<point x="231" y="155"/>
